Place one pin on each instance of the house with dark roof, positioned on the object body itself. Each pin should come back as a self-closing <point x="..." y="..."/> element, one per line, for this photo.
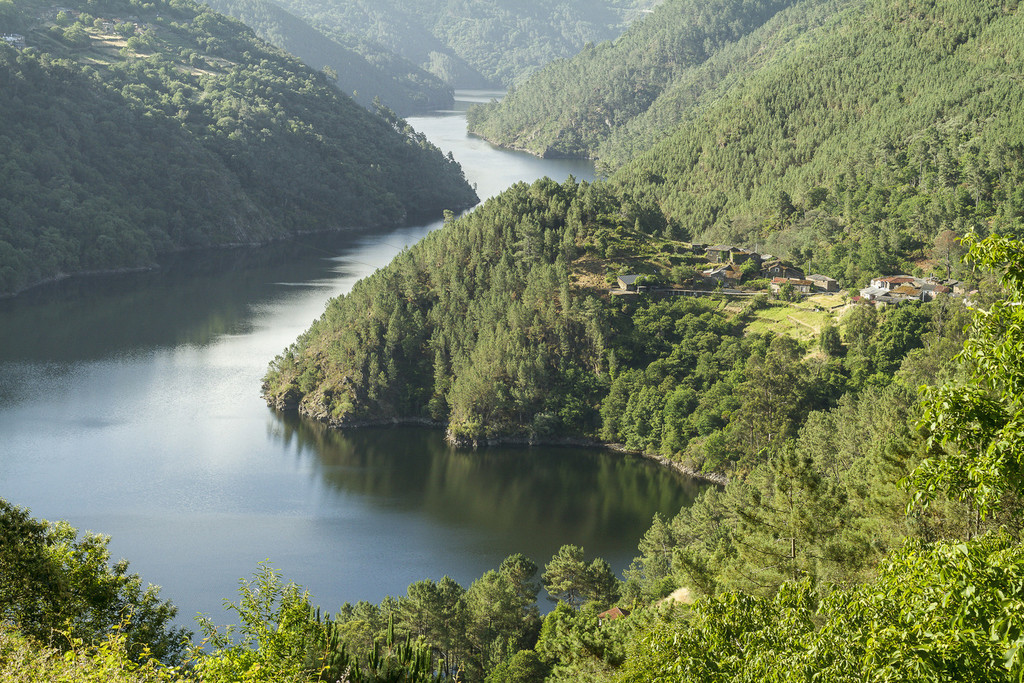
<point x="780" y="268"/>
<point x="824" y="282"/>
<point x="725" y="274"/>
<point x="627" y="282"/>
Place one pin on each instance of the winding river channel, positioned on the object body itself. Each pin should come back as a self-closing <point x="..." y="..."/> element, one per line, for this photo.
<point x="129" y="405"/>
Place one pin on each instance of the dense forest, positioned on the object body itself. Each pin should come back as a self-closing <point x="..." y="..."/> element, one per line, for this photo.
<point x="869" y="524"/>
<point x="755" y="97"/>
<point x="366" y="73"/>
<point x="573" y="106"/>
<point x="123" y="138"/>
<point x="878" y="542"/>
<point x="844" y="135"/>
<point x="500" y="326"/>
<point x="471" y="43"/>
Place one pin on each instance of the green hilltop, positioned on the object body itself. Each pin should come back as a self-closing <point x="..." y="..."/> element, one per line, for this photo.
<point x="131" y="129"/>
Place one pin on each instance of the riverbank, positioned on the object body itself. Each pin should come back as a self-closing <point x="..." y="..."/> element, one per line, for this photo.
<point x="462" y="442"/>
<point x="716" y="478"/>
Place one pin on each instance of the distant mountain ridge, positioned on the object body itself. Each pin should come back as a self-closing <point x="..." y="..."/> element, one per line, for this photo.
<point x="473" y="43"/>
<point x="131" y="129"/>
<point x="661" y="67"/>
<point x="398" y="83"/>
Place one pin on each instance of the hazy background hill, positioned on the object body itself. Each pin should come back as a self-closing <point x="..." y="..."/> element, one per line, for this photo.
<point x="365" y="72"/>
<point x="473" y="43"/>
<point x="133" y="129"/>
<point x="573" y="106"/>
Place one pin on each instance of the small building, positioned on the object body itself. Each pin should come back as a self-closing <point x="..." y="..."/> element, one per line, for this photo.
<point x="908" y="291"/>
<point x="611" y="615"/>
<point x="799" y="285"/>
<point x="780" y="268"/>
<point x="627" y="282"/>
<point x="725" y="274"/>
<point x="723" y="253"/>
<point x="891" y="282"/>
<point x="824" y="282"/>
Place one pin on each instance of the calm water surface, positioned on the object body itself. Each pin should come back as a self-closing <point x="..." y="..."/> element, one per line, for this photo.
<point x="130" y="406"/>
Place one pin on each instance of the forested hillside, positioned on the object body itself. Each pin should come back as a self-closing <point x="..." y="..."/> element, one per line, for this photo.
<point x="499" y="326"/>
<point x="846" y="135"/>
<point x="897" y="122"/>
<point x="474" y="43"/>
<point x="133" y="129"/>
<point x="698" y="67"/>
<point x="365" y="74"/>
<point x="573" y="106"/>
<point x="880" y="542"/>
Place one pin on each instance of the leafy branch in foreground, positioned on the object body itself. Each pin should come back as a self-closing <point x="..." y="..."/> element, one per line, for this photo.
<point x="975" y="430"/>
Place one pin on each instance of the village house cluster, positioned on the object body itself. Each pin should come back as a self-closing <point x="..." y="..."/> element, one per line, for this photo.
<point x="897" y="289"/>
<point x="15" y="40"/>
<point x="726" y="270"/>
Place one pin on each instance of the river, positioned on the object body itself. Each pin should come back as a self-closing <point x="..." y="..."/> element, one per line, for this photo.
<point x="129" y="405"/>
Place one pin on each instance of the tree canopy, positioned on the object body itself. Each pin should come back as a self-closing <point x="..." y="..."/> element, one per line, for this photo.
<point x="189" y="133"/>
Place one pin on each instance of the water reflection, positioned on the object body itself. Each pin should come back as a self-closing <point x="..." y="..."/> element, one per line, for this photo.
<point x="532" y="497"/>
<point x="192" y="299"/>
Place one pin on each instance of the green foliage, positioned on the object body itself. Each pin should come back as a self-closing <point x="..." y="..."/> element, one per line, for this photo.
<point x="570" y="579"/>
<point x="107" y="160"/>
<point x="974" y="429"/>
<point x="525" y="666"/>
<point x="950" y="612"/>
<point x="467" y="633"/>
<point x="61" y="589"/>
<point x="23" y="660"/>
<point x="281" y="638"/>
<point x="829" y="341"/>
<point x="577" y="646"/>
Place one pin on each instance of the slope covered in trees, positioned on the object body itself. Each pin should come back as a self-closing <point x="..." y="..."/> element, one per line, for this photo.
<point x="846" y="135"/>
<point x="700" y="70"/>
<point x="913" y="108"/>
<point x="365" y="74"/>
<point x="474" y="43"/>
<point x="177" y="129"/>
<point x="573" y="106"/>
<point x="498" y="326"/>
<point x="826" y="566"/>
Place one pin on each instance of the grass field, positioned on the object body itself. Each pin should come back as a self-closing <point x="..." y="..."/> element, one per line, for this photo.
<point x="802" y="320"/>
